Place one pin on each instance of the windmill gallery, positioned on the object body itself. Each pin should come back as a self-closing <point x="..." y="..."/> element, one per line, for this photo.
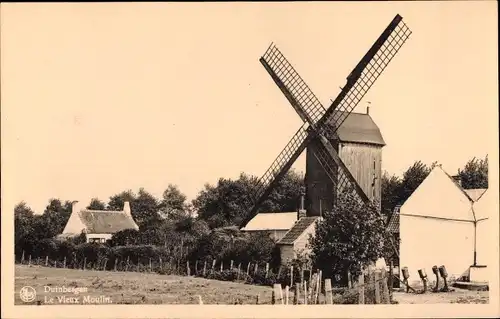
<point x="343" y="148"/>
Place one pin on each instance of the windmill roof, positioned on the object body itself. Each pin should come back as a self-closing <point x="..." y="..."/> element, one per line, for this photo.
<point x="271" y="221"/>
<point x="298" y="229"/>
<point x="360" y="128"/>
<point x="106" y="222"/>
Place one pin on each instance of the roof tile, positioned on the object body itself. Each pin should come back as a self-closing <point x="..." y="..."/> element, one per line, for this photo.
<point x="298" y="229"/>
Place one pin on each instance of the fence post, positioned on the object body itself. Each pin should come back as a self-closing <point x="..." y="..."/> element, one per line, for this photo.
<point x="84" y="262"/>
<point x="278" y="293"/>
<point x="150" y="266"/>
<point x="29" y="260"/>
<point x="385" y="288"/>
<point x="64" y="262"/>
<point x="221" y="265"/>
<point x="188" y="269"/>
<point x="302" y="275"/>
<point x="273" y="297"/>
<point x="279" y="271"/>
<point x="204" y="268"/>
<point x="128" y="262"/>
<point x="248" y="268"/>
<point x="267" y="269"/>
<point x="22" y="258"/>
<point x="328" y="291"/>
<point x="231" y="266"/>
<point x="256" y="267"/>
<point x="105" y="264"/>
<point x="257" y="300"/>
<point x="138" y="263"/>
<point x="361" y="288"/>
<point x="291" y="275"/>
<point x="349" y="280"/>
<point x="196" y="267"/>
<point x="391" y="282"/>
<point x="161" y="263"/>
<point x="377" y="287"/>
<point x="46" y="261"/>
<point x="213" y="264"/>
<point x="305" y="292"/>
<point x="287" y="294"/>
<point x="239" y="269"/>
<point x="116" y="260"/>
<point x="296" y="293"/>
<point x="320" y="281"/>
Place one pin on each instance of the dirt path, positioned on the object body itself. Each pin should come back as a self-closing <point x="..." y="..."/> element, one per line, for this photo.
<point x="457" y="296"/>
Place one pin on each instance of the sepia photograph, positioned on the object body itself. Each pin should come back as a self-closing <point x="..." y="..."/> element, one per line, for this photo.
<point x="250" y="159"/>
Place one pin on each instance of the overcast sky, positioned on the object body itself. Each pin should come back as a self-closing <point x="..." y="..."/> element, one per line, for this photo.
<point x="100" y="98"/>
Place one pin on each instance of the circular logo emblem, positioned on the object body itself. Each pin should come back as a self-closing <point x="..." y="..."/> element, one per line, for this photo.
<point x="27" y="294"/>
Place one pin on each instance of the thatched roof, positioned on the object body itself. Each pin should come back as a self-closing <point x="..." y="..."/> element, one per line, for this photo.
<point x="106" y="222"/>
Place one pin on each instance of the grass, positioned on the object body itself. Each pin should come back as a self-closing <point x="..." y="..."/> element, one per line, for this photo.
<point x="152" y="288"/>
<point x="136" y="288"/>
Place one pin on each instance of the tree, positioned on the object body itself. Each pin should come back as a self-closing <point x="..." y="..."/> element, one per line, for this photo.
<point x="412" y="178"/>
<point x="96" y="204"/>
<point x="24" y="221"/>
<point x="348" y="238"/>
<point x="173" y="205"/>
<point x="144" y="206"/>
<point x="228" y="202"/>
<point x="391" y="187"/>
<point x="475" y="173"/>
<point x="55" y="217"/>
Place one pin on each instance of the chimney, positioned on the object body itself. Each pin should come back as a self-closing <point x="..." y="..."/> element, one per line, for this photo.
<point x="368" y="108"/>
<point x="302" y="212"/>
<point x="76" y="206"/>
<point x="126" y="208"/>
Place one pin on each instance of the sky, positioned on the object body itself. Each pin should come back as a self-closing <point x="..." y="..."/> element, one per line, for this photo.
<point x="100" y="98"/>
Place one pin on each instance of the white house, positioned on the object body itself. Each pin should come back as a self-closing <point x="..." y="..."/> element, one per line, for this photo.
<point x="275" y="225"/>
<point x="296" y="239"/>
<point x="98" y="225"/>
<point x="438" y="226"/>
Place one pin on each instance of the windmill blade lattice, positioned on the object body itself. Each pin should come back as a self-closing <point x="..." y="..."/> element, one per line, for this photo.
<point x="312" y="112"/>
<point x="367" y="72"/>
<point x="282" y="163"/>
<point x="292" y="85"/>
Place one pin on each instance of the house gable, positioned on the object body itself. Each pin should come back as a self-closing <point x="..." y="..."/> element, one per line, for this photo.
<point x="439" y="196"/>
<point x="74" y="226"/>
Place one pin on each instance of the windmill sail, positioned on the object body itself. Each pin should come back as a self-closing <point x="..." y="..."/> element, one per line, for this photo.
<point x="292" y="85"/>
<point x="312" y="112"/>
<point x="367" y="72"/>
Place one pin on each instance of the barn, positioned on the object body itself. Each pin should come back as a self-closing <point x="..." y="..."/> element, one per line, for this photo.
<point x="439" y="226"/>
<point x="98" y="225"/>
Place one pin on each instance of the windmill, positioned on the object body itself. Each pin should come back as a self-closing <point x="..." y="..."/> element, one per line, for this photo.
<point x="320" y="125"/>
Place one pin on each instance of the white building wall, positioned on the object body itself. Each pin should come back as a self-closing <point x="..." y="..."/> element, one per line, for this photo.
<point x="74" y="224"/>
<point x="436" y="227"/>
<point x="427" y="242"/>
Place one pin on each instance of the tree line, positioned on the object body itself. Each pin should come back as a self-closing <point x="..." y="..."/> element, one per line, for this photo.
<point x="207" y="227"/>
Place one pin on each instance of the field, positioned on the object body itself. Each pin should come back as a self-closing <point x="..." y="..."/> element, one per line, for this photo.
<point x="144" y="288"/>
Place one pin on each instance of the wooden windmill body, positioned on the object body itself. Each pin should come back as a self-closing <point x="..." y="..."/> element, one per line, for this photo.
<point x="320" y="129"/>
<point x="359" y="144"/>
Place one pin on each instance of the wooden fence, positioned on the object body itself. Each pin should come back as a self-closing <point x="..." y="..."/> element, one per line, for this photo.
<point x="373" y="286"/>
